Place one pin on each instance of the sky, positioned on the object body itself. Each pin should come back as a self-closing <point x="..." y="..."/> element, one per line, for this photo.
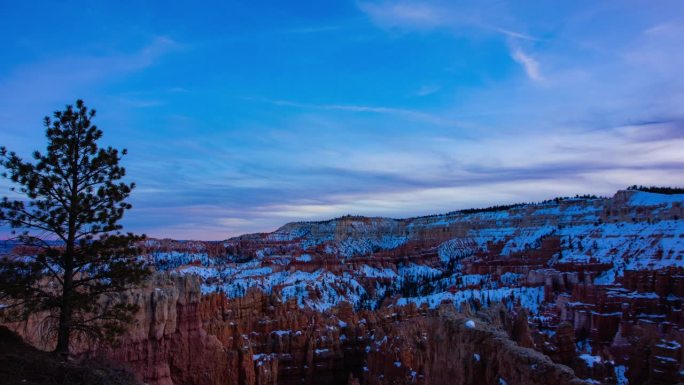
<point x="242" y="116"/>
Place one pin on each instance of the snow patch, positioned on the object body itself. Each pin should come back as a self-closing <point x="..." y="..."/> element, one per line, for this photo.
<point x="590" y="360"/>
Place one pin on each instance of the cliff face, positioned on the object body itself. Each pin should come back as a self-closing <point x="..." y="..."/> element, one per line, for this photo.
<point x="448" y="348"/>
<point x="598" y="279"/>
<point x="168" y="345"/>
<point x="182" y="338"/>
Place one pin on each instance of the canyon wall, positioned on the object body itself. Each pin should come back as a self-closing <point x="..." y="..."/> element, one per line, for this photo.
<point x="183" y="338"/>
<point x="448" y="348"/>
<point x="584" y="289"/>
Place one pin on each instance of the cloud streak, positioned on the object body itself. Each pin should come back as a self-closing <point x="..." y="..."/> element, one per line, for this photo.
<point x="38" y="87"/>
<point x="528" y="63"/>
<point x="484" y="174"/>
<point x="408" y="108"/>
<point x="423" y="15"/>
<point x="411" y="15"/>
<point x="405" y="14"/>
<point x="406" y="113"/>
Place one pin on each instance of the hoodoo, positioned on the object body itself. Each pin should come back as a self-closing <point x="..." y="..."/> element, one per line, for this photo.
<point x="560" y="292"/>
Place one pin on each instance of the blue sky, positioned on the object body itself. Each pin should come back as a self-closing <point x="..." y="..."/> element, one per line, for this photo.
<point x="242" y="116"/>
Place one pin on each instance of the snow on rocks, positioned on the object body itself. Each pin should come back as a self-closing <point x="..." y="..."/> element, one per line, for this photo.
<point x="590" y="360"/>
<point x="528" y="297"/>
<point x="304" y="258"/>
<point x="621" y="375"/>
<point x="298" y="261"/>
<point x="643" y="198"/>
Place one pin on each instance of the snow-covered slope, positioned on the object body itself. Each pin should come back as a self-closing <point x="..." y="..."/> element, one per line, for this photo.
<point x="367" y="260"/>
<point x="611" y="267"/>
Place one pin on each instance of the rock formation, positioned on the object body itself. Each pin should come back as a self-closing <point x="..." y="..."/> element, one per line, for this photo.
<point x="590" y="286"/>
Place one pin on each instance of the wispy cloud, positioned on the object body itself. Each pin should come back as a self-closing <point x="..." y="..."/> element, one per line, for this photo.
<point x="404" y="14"/>
<point x="425" y="15"/>
<point x="528" y="63"/>
<point x="40" y="86"/>
<point x="430" y="177"/>
<point x="345" y="130"/>
<point x="407" y="113"/>
<point x="428" y="90"/>
<point x="311" y="29"/>
<point x="72" y="69"/>
<point x="511" y="34"/>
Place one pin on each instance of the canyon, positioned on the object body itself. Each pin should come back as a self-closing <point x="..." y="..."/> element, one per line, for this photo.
<point x="567" y="291"/>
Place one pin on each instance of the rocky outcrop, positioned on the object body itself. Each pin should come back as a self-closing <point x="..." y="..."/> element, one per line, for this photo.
<point x="168" y="345"/>
<point x="448" y="348"/>
<point x="599" y="278"/>
<point x="288" y="344"/>
<point x="184" y="338"/>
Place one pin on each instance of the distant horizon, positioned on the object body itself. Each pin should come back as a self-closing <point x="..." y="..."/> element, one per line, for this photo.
<point x="6" y="237"/>
<point x="241" y="116"/>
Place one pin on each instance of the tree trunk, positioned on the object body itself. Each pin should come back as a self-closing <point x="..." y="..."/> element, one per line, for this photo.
<point x="65" y="310"/>
<point x="64" y="331"/>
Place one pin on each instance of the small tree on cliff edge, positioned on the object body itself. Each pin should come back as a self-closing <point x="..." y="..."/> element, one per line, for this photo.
<point x="77" y="259"/>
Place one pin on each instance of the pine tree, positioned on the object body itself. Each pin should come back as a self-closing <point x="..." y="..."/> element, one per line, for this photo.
<point x="78" y="259"/>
